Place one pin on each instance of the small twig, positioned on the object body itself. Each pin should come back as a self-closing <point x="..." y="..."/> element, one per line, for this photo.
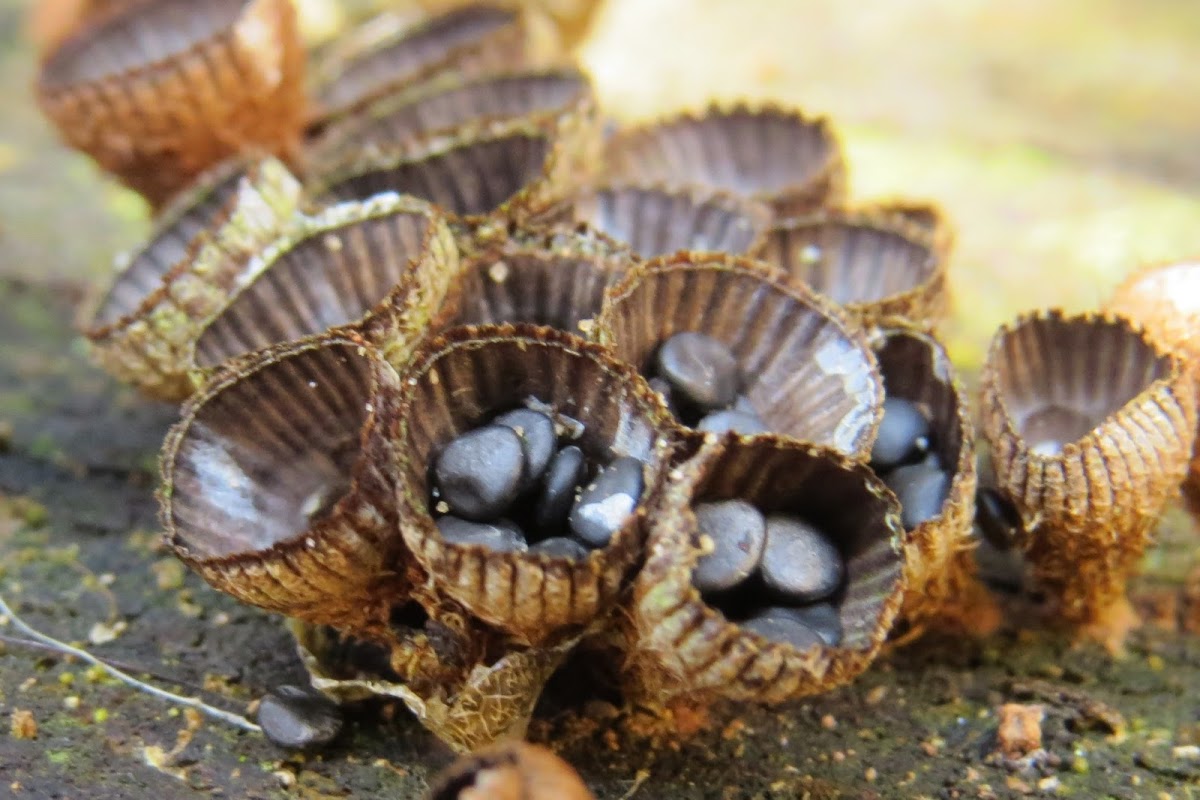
<point x="236" y="720"/>
<point x="641" y="777"/>
<point x="136" y="669"/>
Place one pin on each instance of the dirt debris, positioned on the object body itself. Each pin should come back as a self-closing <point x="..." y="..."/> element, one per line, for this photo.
<point x="23" y="725"/>
<point x="1083" y="712"/>
<point x="1019" y="734"/>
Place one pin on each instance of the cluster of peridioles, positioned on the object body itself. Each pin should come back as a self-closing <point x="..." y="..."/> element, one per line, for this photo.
<point x="440" y="339"/>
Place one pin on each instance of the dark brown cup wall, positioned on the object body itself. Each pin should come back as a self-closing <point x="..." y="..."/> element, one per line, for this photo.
<point x="157" y="103"/>
<point x="379" y="268"/>
<point x="878" y="267"/>
<point x="461" y="380"/>
<point x="683" y="646"/>
<point x="808" y="372"/>
<point x="278" y="484"/>
<point x="788" y="160"/>
<point x="1090" y="426"/>
<point x="201" y="251"/>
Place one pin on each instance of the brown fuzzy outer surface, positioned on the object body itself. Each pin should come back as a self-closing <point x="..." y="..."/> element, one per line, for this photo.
<point x="487" y="697"/>
<point x="679" y="645"/>
<point x="158" y="125"/>
<point x="349" y="568"/>
<point x="1089" y="512"/>
<point x="461" y="378"/>
<point x="1165" y="298"/>
<point x="51" y="22"/>
<point x="510" y="771"/>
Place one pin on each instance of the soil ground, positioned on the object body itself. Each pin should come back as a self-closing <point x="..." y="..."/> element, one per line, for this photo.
<point x="1062" y="140"/>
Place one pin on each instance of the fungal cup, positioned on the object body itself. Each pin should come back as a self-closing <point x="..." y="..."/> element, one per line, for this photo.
<point x="450" y="104"/>
<point x="940" y="566"/>
<point x="683" y="645"/>
<point x="657" y="221"/>
<point x="461" y="381"/>
<point x="474" y="39"/>
<point x="805" y="370"/>
<point x="513" y="171"/>
<point x="202" y="250"/>
<point x="157" y="102"/>
<point x="1165" y="298"/>
<point x="555" y="278"/>
<point x="779" y="156"/>
<point x="378" y="269"/>
<point x="877" y="266"/>
<point x="278" y="484"/>
<point x="1090" y="427"/>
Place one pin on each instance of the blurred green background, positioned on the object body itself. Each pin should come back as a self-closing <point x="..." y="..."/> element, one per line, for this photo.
<point x="1062" y="137"/>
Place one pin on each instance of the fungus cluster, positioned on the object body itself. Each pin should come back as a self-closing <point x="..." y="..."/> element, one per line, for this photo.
<point x="468" y="382"/>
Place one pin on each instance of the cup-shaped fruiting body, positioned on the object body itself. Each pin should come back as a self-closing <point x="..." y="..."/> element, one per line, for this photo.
<point x="801" y="367"/>
<point x="474" y="39"/>
<point x="555" y="278"/>
<point x="1165" y="298"/>
<point x="571" y="19"/>
<point x="278" y="484"/>
<point x="380" y="268"/>
<point x="781" y="156"/>
<point x="684" y="645"/>
<point x="458" y="389"/>
<point x="658" y="220"/>
<point x="925" y="216"/>
<point x="514" y="171"/>
<point x="925" y="452"/>
<point x="450" y="103"/>
<point x="510" y="771"/>
<point x="879" y="267"/>
<point x="162" y="90"/>
<point x="201" y="252"/>
<point x="487" y="693"/>
<point x="51" y="22"/>
<point x="1090" y="427"/>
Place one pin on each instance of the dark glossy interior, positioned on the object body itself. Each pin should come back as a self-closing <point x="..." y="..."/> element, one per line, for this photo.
<point x="835" y="499"/>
